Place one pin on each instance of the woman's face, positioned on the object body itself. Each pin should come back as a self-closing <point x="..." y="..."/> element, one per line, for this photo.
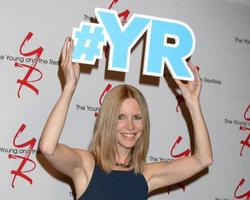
<point x="130" y="124"/>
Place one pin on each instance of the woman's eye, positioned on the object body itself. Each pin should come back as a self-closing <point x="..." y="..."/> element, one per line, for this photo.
<point x="137" y="117"/>
<point x="121" y="116"/>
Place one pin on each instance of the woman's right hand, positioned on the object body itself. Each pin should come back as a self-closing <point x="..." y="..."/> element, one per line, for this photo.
<point x="70" y="69"/>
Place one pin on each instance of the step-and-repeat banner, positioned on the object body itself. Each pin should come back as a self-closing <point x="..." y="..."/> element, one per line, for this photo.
<point x="32" y="34"/>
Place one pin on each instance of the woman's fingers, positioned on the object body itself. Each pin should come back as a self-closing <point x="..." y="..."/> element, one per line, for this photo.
<point x="195" y="70"/>
<point x="197" y="74"/>
<point x="196" y="81"/>
<point x="71" y="47"/>
<point x="68" y="50"/>
<point x="64" y="50"/>
<point x="179" y="83"/>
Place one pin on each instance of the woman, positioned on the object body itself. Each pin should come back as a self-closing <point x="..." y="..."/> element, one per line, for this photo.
<point x="114" y="167"/>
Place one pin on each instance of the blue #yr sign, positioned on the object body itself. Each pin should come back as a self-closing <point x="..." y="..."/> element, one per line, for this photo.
<point x="89" y="39"/>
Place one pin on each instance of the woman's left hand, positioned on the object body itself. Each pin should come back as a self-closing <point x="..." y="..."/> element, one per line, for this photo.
<point x="191" y="89"/>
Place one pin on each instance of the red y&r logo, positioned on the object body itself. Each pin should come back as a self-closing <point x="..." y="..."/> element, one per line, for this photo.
<point x="180" y="155"/>
<point x="180" y="99"/>
<point x="247" y="113"/>
<point x="246" y="142"/>
<point x="105" y="91"/>
<point x="123" y="15"/>
<point x="183" y="154"/>
<point x="30" y="144"/>
<point x="246" y="195"/>
<point x="25" y="81"/>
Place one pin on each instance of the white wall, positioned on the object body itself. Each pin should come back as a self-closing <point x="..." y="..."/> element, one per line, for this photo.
<point x="222" y="53"/>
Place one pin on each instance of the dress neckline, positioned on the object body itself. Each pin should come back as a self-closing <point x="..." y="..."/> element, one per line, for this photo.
<point x="122" y="171"/>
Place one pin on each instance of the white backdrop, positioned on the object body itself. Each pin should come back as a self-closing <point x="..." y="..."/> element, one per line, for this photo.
<point x="29" y="92"/>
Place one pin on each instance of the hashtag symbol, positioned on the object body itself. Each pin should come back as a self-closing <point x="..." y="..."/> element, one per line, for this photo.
<point x="88" y="43"/>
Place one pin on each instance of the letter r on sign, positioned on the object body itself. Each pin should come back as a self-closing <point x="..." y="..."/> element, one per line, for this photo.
<point x="159" y="52"/>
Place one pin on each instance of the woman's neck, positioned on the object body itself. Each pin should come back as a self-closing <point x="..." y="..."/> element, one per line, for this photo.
<point x="123" y="156"/>
<point x="123" y="160"/>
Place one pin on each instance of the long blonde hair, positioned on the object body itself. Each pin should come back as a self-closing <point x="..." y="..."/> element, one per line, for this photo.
<point x="103" y="144"/>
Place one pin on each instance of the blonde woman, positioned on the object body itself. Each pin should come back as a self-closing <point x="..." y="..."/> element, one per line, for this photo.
<point x="114" y="166"/>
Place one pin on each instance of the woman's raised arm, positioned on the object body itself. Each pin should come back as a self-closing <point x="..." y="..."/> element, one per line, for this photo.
<point x="161" y="174"/>
<point x="65" y="159"/>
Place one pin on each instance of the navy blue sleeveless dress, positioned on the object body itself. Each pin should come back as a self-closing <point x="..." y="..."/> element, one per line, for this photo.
<point x="116" y="185"/>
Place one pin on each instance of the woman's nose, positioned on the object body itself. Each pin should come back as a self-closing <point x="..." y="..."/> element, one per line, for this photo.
<point x="130" y="124"/>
